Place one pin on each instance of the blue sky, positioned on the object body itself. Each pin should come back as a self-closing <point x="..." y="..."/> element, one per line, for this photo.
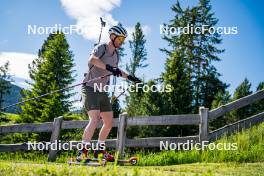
<point x="243" y="56"/>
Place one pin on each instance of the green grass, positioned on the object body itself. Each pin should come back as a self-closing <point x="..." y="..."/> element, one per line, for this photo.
<point x="248" y="159"/>
<point x="8" y="119"/>
<point x="210" y="169"/>
<point x="250" y="149"/>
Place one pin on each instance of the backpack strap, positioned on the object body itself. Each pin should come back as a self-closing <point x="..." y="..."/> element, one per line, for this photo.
<point x="114" y="78"/>
<point x="117" y="54"/>
<point x="102" y="55"/>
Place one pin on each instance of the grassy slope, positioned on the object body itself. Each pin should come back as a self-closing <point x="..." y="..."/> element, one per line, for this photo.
<point x="250" y="149"/>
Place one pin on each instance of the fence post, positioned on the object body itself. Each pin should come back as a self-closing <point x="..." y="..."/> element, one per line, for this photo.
<point x="203" y="127"/>
<point x="56" y="128"/>
<point x="121" y="135"/>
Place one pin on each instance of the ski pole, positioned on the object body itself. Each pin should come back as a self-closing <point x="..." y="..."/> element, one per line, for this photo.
<point x="55" y="91"/>
<point x="102" y="26"/>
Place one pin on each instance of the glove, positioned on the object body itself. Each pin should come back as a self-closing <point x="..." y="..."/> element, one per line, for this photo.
<point x="134" y="79"/>
<point x="116" y="71"/>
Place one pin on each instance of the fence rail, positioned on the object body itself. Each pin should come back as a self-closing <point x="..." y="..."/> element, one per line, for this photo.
<point x="185" y="119"/>
<point x="242" y="102"/>
<point x="19" y="128"/>
<point x="47" y="126"/>
<point x="237" y="126"/>
<point x="189" y="119"/>
<point x="202" y="119"/>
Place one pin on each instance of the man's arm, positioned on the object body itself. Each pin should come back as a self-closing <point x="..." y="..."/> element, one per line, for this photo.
<point x="97" y="62"/>
<point x="100" y="64"/>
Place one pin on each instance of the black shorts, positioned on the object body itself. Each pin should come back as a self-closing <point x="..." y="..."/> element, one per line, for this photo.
<point x="95" y="100"/>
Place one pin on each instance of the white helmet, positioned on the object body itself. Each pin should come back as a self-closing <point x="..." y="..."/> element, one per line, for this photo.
<point x="118" y="30"/>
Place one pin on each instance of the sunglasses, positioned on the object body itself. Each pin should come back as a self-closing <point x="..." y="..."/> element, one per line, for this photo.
<point x="121" y="39"/>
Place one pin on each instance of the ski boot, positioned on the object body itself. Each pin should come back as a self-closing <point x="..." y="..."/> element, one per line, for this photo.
<point x="106" y="156"/>
<point x="80" y="154"/>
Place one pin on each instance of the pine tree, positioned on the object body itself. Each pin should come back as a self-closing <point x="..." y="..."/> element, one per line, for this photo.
<point x="208" y="82"/>
<point x="4" y="83"/>
<point x="137" y="46"/>
<point x="178" y="70"/>
<point x="220" y="99"/>
<point x="52" y="70"/>
<point x="211" y="86"/>
<point x="138" y="50"/>
<point x="197" y="52"/>
<point x="259" y="105"/>
<point x="241" y="91"/>
<point x="189" y="66"/>
<point x="179" y="100"/>
<point x="134" y="104"/>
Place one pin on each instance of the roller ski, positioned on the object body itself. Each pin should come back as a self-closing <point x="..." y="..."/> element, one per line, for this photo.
<point x="110" y="158"/>
<point x="83" y="159"/>
<point x="87" y="162"/>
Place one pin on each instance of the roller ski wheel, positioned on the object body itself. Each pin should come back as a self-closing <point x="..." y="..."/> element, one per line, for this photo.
<point x="132" y="161"/>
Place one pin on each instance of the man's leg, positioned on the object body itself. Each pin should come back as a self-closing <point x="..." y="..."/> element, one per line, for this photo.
<point x="107" y="118"/>
<point x="94" y="116"/>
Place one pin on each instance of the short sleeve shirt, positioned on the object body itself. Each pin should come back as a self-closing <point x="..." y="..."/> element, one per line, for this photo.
<point x="101" y="51"/>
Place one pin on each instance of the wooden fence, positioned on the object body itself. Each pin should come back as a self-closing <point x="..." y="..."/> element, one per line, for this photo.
<point x="202" y="119"/>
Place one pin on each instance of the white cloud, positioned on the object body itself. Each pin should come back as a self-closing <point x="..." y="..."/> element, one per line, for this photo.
<point x="87" y="14"/>
<point x="18" y="65"/>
